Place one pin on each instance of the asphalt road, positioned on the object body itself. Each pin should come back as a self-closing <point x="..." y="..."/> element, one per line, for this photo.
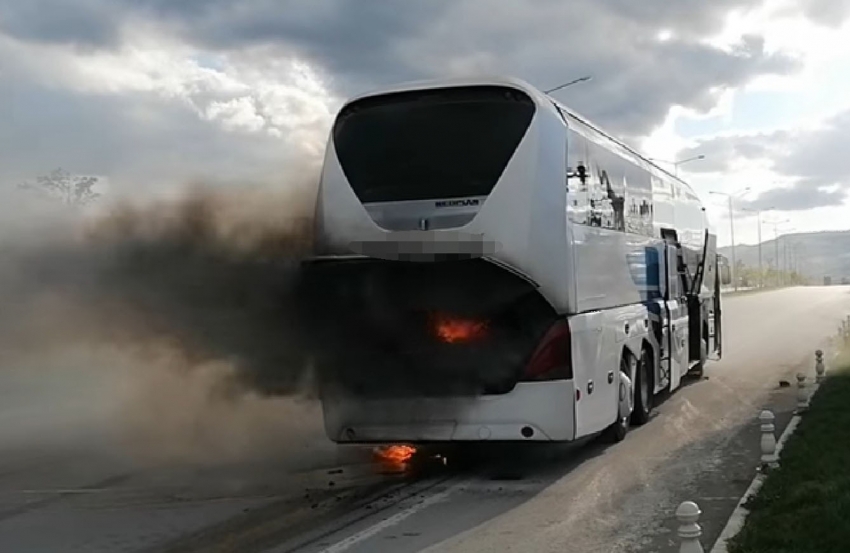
<point x="84" y="468"/>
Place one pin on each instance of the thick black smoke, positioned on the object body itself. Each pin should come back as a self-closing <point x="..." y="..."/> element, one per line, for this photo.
<point x="143" y="329"/>
<point x="218" y="276"/>
<point x="196" y="273"/>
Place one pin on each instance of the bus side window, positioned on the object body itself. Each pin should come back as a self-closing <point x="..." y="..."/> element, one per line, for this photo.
<point x="577" y="178"/>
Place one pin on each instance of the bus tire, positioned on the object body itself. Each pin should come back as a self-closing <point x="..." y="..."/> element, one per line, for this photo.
<point x="620" y="427"/>
<point x="643" y="388"/>
<point x="699" y="369"/>
<point x="617" y="431"/>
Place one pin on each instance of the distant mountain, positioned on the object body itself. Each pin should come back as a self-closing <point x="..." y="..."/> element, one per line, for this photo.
<point x="813" y="254"/>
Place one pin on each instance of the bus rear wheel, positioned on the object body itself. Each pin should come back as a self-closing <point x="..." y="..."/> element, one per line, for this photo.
<point x="618" y="430"/>
<point x="643" y="388"/>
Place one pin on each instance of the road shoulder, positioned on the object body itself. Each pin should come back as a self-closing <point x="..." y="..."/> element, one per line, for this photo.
<point x="802" y="505"/>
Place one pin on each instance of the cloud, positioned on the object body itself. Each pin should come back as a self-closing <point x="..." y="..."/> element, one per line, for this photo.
<point x="279" y="68"/>
<point x="814" y="161"/>
<point x="827" y="12"/>
<point x="819" y="157"/>
<point x="365" y="44"/>
<point x="799" y="197"/>
<point x="815" y="156"/>
<point x="636" y="78"/>
<point x="723" y="151"/>
<point x="81" y="22"/>
<point x="153" y="117"/>
<point x="139" y="141"/>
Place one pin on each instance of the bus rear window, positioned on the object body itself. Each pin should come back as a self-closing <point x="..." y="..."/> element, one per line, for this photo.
<point x="430" y="144"/>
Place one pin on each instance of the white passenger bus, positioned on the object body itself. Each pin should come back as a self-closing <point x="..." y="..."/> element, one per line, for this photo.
<point x="492" y="266"/>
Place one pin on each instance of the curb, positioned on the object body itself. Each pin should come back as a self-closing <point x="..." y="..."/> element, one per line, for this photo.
<point x="739" y="515"/>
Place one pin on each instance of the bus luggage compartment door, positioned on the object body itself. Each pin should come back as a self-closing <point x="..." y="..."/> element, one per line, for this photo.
<point x="677" y="309"/>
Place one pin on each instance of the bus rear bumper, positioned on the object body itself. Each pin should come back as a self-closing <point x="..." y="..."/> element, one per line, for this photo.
<point x="532" y="411"/>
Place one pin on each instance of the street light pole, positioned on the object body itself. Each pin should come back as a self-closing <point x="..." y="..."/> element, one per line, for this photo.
<point x="761" y="268"/>
<point x="776" y="246"/>
<point x="732" y="233"/>
<point x="795" y="257"/>
<point x="785" y="256"/>
<point x="570" y="83"/>
<point x="732" y="236"/>
<point x="786" y="267"/>
<point x="676" y="164"/>
<point x="758" y="213"/>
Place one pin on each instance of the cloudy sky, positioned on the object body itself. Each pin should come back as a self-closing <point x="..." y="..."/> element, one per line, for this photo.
<point x="151" y="93"/>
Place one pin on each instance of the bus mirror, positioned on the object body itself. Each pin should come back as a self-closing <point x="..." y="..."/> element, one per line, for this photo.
<point x="725" y="275"/>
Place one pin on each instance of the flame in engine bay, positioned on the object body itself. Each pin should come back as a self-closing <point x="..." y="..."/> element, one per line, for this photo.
<point x="452" y="330"/>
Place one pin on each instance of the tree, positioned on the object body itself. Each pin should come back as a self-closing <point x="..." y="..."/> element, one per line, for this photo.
<point x="72" y="190"/>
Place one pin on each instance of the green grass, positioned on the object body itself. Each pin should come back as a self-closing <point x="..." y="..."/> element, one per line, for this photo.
<point x="804" y="506"/>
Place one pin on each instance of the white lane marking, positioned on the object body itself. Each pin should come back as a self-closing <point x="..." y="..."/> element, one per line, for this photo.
<point x="367" y="533"/>
<point x="67" y="491"/>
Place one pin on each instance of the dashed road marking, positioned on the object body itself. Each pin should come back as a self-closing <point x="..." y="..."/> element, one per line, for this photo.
<point x="379" y="527"/>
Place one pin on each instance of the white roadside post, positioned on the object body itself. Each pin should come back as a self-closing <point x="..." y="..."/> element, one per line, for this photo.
<point x="768" y="440"/>
<point x="820" y="369"/>
<point x="802" y="396"/>
<point x="689" y="529"/>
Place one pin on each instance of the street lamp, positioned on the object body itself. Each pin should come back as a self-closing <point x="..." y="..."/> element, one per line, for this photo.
<point x="732" y="231"/>
<point x="570" y="83"/>
<point x="758" y="213"/>
<point x="676" y="164"/>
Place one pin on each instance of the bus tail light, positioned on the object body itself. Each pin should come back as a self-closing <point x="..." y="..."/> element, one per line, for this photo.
<point x="552" y="360"/>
